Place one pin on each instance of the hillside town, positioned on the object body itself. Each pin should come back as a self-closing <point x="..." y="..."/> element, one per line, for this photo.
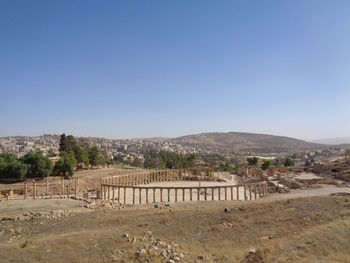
<point x="129" y="149"/>
<point x="49" y="144"/>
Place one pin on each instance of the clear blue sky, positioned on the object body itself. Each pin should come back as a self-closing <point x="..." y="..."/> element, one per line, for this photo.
<point x="168" y="68"/>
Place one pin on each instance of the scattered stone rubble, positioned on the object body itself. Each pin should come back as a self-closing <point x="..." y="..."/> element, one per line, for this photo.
<point x="148" y="249"/>
<point x="103" y="204"/>
<point x="254" y="256"/>
<point x="36" y="215"/>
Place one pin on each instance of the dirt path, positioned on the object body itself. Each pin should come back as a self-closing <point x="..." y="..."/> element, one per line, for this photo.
<point x="321" y="190"/>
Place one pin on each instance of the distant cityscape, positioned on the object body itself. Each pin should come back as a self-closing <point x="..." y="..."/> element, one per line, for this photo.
<point x="130" y="149"/>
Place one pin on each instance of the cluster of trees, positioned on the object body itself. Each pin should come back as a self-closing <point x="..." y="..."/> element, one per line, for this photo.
<point x="253" y="161"/>
<point x="267" y="163"/>
<point x="159" y="160"/>
<point x="168" y="160"/>
<point x="288" y="162"/>
<point x="33" y="164"/>
<point x="73" y="154"/>
<point x="78" y="154"/>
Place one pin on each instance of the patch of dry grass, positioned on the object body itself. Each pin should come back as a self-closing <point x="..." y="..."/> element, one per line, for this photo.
<point x="313" y="229"/>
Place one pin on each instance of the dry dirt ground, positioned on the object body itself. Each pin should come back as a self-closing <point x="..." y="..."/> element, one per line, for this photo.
<point x="281" y="228"/>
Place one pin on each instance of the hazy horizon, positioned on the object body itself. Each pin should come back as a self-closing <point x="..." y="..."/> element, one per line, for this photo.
<point x="331" y="141"/>
<point x="168" y="69"/>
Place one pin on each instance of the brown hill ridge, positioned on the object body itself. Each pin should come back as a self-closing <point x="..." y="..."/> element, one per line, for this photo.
<point x="228" y="142"/>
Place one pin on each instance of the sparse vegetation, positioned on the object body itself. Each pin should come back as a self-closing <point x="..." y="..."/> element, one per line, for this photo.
<point x="288" y="162"/>
<point x="164" y="159"/>
<point x="253" y="161"/>
<point x="266" y="164"/>
<point x="79" y="153"/>
<point x="65" y="165"/>
<point x="33" y="164"/>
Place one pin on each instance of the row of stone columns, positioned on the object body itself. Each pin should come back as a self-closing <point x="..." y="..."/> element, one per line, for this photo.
<point x="156" y="176"/>
<point x="112" y="192"/>
<point x="64" y="189"/>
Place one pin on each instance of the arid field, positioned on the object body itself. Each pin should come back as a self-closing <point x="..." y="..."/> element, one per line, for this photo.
<point x="278" y="228"/>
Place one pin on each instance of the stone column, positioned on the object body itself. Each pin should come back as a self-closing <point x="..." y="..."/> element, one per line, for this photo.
<point x="237" y="189"/>
<point x="124" y="195"/>
<point x="255" y="192"/>
<point x="47" y="185"/>
<point x="69" y="186"/>
<point x="175" y="194"/>
<point x="198" y="193"/>
<point x="133" y="196"/>
<point x="146" y="195"/>
<point x="34" y="189"/>
<point x="231" y="192"/>
<point x="205" y="193"/>
<point x="190" y="194"/>
<point x="245" y="192"/>
<point x="169" y="195"/>
<point x="225" y="193"/>
<point x="183" y="194"/>
<point x="161" y="194"/>
<point x="119" y="195"/>
<point x="154" y="195"/>
<point x="140" y="196"/>
<point x="219" y="190"/>
<point x="76" y="187"/>
<point x="113" y="193"/>
<point x="109" y="193"/>
<point x="62" y="185"/>
<point x="250" y="192"/>
<point x="25" y="190"/>
<point x="212" y="193"/>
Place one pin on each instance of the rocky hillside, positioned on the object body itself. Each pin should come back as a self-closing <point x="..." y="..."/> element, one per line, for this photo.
<point x="245" y="142"/>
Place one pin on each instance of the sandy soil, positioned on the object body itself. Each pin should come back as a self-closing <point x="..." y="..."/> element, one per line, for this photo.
<point x="311" y="229"/>
<point x="16" y="207"/>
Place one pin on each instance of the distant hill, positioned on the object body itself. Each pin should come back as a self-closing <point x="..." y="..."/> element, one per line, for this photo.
<point x="334" y="141"/>
<point x="245" y="142"/>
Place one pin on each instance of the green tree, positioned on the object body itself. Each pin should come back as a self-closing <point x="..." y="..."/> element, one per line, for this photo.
<point x="16" y="169"/>
<point x="38" y="164"/>
<point x="252" y="161"/>
<point x="277" y="162"/>
<point x="150" y="162"/>
<point x="137" y="162"/>
<point x="67" y="143"/>
<point x="118" y="159"/>
<point x="65" y="165"/>
<point x="81" y="155"/>
<point x="62" y="143"/>
<point x="10" y="167"/>
<point x="266" y="164"/>
<point x="94" y="156"/>
<point x="288" y="162"/>
<point x="103" y="158"/>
